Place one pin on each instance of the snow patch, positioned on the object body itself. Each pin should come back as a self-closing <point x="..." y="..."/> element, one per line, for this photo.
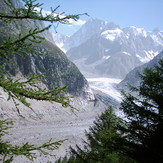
<point x="157" y="39"/>
<point x="106" y="22"/>
<point x="127" y="36"/>
<point x="126" y="53"/>
<point x="139" y="31"/>
<point x="149" y="56"/>
<point x="112" y="34"/>
<point x="105" y="57"/>
<point x="106" y="50"/>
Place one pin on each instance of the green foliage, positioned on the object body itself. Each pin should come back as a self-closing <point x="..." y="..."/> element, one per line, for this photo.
<point x="143" y="132"/>
<point x="135" y="138"/>
<point x="103" y="145"/>
<point x="22" y="44"/>
<point x="18" y="90"/>
<point x="8" y="151"/>
<point x="30" y="11"/>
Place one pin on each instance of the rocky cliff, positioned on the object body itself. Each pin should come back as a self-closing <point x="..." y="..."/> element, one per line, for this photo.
<point x="58" y="70"/>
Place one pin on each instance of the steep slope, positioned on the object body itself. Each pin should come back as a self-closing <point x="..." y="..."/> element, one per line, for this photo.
<point x="111" y="51"/>
<point x="132" y="78"/>
<point x="58" y="70"/>
<point x="48" y="120"/>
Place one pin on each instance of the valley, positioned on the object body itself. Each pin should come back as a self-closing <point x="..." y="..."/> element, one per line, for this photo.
<point x="78" y="76"/>
<point x="58" y="123"/>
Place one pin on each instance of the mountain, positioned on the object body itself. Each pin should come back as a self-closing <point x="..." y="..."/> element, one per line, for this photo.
<point x="59" y="39"/>
<point x="111" y="51"/>
<point x="48" y="121"/>
<point x="91" y="28"/>
<point x="58" y="70"/>
<point x="133" y="78"/>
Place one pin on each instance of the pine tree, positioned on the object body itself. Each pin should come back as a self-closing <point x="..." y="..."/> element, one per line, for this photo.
<point x="103" y="143"/>
<point x="135" y="138"/>
<point x="21" y="44"/>
<point x="144" y="125"/>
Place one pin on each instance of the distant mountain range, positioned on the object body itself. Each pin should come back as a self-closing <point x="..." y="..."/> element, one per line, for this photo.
<point x="104" y="49"/>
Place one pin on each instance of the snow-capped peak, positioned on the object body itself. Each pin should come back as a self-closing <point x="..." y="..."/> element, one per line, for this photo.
<point x="91" y="28"/>
<point x="136" y="31"/>
<point x="112" y="34"/>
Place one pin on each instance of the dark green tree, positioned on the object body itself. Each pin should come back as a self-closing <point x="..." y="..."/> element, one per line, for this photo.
<point x="144" y="113"/>
<point x="135" y="138"/>
<point x="103" y="143"/>
<point x="22" y="44"/>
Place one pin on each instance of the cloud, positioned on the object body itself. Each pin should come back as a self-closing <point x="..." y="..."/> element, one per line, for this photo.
<point x="79" y="22"/>
<point x="71" y="22"/>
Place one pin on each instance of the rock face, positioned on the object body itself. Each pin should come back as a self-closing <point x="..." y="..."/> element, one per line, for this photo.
<point x="105" y="49"/>
<point x="58" y="70"/>
<point x="132" y="78"/>
<point x="91" y="28"/>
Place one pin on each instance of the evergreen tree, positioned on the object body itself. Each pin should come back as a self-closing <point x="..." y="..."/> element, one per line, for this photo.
<point x="144" y="125"/>
<point x="21" y="44"/>
<point x="135" y="138"/>
<point x="103" y="143"/>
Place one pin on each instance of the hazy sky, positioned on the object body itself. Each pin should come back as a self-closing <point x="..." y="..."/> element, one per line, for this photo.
<point x="147" y="14"/>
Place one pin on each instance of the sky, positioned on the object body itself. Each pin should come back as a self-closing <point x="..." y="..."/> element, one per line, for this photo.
<point x="145" y="14"/>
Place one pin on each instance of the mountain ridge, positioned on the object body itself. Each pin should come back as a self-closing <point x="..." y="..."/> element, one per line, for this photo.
<point x="133" y="78"/>
<point x="111" y="51"/>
